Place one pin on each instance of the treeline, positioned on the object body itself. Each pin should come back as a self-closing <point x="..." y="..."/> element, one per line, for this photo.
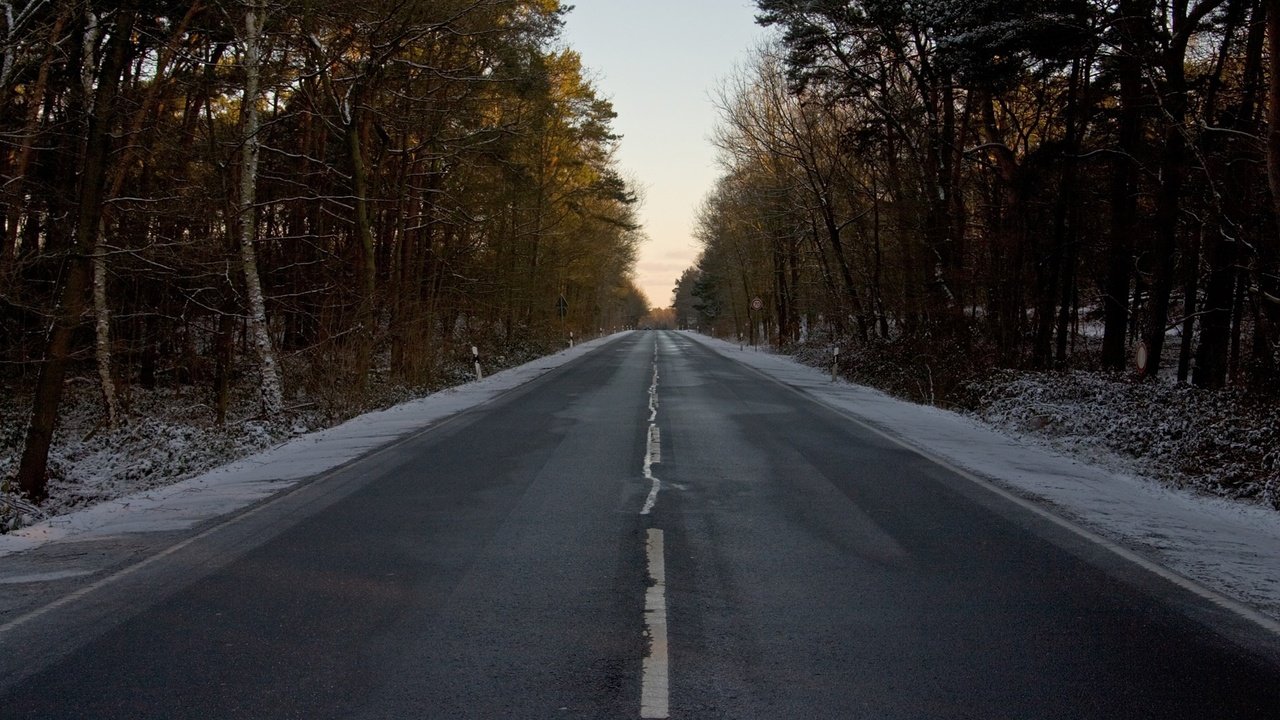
<point x="1020" y="184"/>
<point x="300" y="194"/>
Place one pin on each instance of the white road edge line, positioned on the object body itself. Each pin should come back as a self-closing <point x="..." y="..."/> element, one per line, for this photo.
<point x="1150" y="566"/>
<point x="655" y="690"/>
<point x="127" y="571"/>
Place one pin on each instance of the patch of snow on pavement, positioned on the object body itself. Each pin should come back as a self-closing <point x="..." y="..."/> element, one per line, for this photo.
<point x="241" y="483"/>
<point x="1229" y="547"/>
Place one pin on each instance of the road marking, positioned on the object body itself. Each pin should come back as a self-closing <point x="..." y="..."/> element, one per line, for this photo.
<point x="654" y="684"/>
<point x="653" y="441"/>
<point x="655" y="444"/>
<point x="41" y="577"/>
<point x="1213" y="596"/>
<point x="652" y="454"/>
<point x="653" y="394"/>
<point x="87" y="589"/>
<point x="655" y="690"/>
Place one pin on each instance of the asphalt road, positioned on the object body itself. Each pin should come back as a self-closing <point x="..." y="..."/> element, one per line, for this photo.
<point x="550" y="555"/>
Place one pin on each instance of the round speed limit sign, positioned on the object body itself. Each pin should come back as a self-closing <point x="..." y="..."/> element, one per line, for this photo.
<point x="757" y="303"/>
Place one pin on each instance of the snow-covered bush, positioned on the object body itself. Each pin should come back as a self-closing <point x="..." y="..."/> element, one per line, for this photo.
<point x="1223" y="442"/>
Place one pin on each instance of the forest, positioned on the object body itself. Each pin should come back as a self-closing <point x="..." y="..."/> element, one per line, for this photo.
<point x="259" y="209"/>
<point x="1042" y="184"/>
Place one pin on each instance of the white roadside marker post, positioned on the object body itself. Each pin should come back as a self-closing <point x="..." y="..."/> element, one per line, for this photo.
<point x="571" y="338"/>
<point x="835" y="362"/>
<point x="475" y="353"/>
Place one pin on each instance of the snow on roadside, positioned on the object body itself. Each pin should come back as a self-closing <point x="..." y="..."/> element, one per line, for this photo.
<point x="1231" y="547"/>
<point x="243" y="482"/>
<point x="1222" y="442"/>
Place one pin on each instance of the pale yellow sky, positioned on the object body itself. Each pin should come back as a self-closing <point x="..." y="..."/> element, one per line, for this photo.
<point x="660" y="62"/>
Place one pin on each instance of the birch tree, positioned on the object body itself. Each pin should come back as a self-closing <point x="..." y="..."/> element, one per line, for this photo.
<point x="269" y="382"/>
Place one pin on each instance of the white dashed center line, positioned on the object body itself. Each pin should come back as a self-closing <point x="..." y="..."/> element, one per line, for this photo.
<point x="654" y="687"/>
<point x="654" y="678"/>
<point x="653" y="443"/>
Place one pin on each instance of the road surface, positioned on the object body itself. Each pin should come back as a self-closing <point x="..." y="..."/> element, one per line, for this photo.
<point x="651" y="531"/>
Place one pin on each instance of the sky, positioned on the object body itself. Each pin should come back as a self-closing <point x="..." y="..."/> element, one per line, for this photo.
<point x="659" y="62"/>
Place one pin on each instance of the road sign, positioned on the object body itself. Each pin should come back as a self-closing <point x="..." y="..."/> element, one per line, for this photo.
<point x="757" y="303"/>
<point x="1140" y="358"/>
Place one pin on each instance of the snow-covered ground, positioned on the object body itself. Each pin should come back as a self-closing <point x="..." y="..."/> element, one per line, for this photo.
<point x="1228" y="547"/>
<point x="243" y="482"/>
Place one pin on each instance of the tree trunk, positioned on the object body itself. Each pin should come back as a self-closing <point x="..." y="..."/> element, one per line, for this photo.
<point x="1219" y="344"/>
<point x="1124" y="185"/>
<point x="846" y="274"/>
<point x="1240" y="278"/>
<point x="224" y="349"/>
<point x="367" y="314"/>
<point x="26" y="146"/>
<point x="269" y="384"/>
<point x="1058" y="265"/>
<point x="1168" y="207"/>
<point x="1215" y="325"/>
<point x="782" y="291"/>
<point x="1273" y="105"/>
<point x="116" y="175"/>
<point x="33" y="468"/>
<point x="937" y="232"/>
<point x="1004" y="307"/>
<point x="1268" y="318"/>
<point x="877" y="269"/>
<point x="1191" y="279"/>
<point x="102" y="329"/>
